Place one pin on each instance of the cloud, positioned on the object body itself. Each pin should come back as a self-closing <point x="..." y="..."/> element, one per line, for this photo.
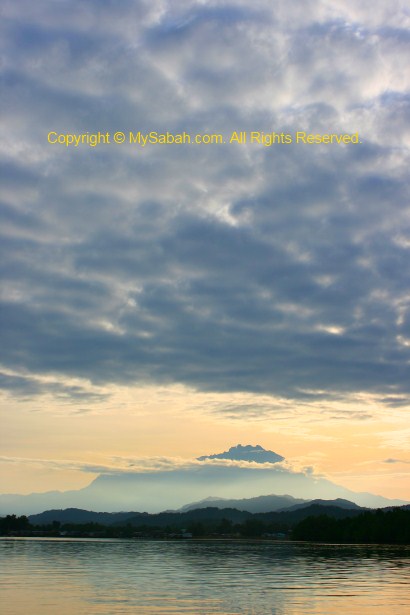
<point x="396" y="461"/>
<point x="397" y="438"/>
<point x="26" y="386"/>
<point x="58" y="464"/>
<point x="271" y="270"/>
<point x="119" y="465"/>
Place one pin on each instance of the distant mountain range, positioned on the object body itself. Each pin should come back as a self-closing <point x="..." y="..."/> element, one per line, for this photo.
<point x="267" y="503"/>
<point x="228" y="476"/>
<point x="209" y="509"/>
<point x="210" y="514"/>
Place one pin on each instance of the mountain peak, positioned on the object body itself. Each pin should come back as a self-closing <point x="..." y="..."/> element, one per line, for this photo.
<point x="246" y="452"/>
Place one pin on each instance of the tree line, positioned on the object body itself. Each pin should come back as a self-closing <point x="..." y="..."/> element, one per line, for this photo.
<point x="388" y="527"/>
<point x="370" y="527"/>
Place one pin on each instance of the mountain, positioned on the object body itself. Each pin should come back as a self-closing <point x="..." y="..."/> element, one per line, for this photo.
<point x="224" y="477"/>
<point x="263" y="503"/>
<point x="208" y="517"/>
<point x="246" y="453"/>
<point x="290" y="517"/>
<point x="339" y="502"/>
<point x="212" y="514"/>
<point x="77" y="515"/>
<point x="208" y="506"/>
<point x="209" y="514"/>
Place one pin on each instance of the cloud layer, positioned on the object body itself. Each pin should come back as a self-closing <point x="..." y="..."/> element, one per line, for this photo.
<point x="280" y="270"/>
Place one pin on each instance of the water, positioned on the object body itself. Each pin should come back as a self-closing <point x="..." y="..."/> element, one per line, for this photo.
<point x="112" y="577"/>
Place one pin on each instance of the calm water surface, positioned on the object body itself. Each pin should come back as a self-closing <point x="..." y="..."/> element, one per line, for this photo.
<point x="113" y="577"/>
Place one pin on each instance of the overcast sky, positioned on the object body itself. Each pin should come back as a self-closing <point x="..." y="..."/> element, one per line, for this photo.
<point x="221" y="290"/>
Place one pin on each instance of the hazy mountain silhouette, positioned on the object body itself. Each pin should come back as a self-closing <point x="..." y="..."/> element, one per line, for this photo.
<point x="263" y="503"/>
<point x="155" y="491"/>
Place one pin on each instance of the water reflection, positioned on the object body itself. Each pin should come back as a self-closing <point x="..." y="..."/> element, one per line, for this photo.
<point x="112" y="577"/>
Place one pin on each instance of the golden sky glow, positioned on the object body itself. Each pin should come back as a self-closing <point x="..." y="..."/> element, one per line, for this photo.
<point x="178" y="422"/>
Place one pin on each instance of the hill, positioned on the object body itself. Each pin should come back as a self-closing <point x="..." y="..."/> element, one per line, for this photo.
<point x="262" y="503"/>
<point x="182" y="518"/>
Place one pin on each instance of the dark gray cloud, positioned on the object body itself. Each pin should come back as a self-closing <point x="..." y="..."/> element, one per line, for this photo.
<point x="26" y="387"/>
<point x="280" y="269"/>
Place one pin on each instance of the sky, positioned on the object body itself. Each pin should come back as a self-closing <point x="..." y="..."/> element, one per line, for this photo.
<point x="168" y="301"/>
